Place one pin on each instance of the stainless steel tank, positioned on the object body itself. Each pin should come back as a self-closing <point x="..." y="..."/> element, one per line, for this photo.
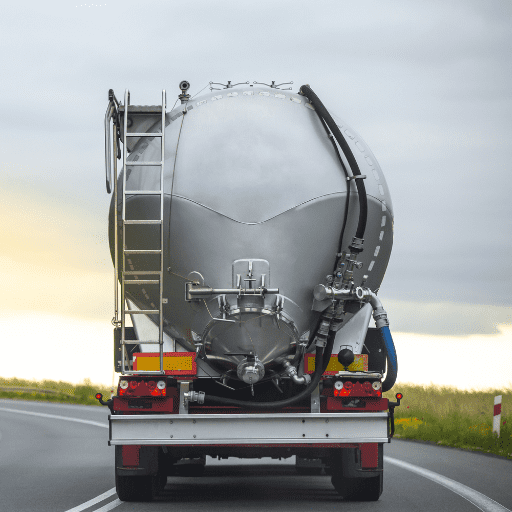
<point x="254" y="195"/>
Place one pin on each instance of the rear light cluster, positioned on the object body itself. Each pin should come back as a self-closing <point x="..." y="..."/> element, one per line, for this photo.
<point x="141" y="387"/>
<point x="349" y="388"/>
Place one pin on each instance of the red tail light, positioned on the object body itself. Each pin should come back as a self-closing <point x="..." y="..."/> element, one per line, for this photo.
<point x="140" y="387"/>
<point x="358" y="389"/>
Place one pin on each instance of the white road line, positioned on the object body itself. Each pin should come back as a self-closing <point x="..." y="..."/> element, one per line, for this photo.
<point x="55" y="417"/>
<point x="92" y="502"/>
<point x="478" y="499"/>
<point x="99" y="498"/>
<point x="109" y="506"/>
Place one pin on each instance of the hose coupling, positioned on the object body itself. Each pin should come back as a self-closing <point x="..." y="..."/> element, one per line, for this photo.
<point x="381" y="317"/>
<point x="357" y="245"/>
<point x="291" y="371"/>
<point x="194" y="396"/>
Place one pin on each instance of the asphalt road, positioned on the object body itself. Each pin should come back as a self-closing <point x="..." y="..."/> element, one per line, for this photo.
<point x="50" y="463"/>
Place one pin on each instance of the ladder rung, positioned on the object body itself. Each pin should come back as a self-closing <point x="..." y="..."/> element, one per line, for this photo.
<point x="131" y="162"/>
<point x="143" y="134"/>
<point x="138" y="342"/>
<point x="142" y="221"/>
<point x="153" y="192"/>
<point x="142" y="251"/>
<point x="142" y="311"/>
<point x="141" y="281"/>
<point x="142" y="272"/>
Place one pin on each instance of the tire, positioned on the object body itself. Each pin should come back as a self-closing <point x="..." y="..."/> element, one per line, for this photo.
<point x="358" y="489"/>
<point x="135" y="488"/>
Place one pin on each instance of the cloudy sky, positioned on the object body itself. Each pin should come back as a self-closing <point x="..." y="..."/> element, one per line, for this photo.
<point x="427" y="84"/>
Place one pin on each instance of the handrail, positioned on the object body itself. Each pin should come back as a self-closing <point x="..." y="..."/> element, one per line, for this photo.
<point x="112" y="108"/>
<point x="108" y="154"/>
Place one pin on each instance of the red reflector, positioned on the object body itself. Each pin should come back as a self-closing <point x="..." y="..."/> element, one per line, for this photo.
<point x="369" y="455"/>
<point x="133" y="384"/>
<point x="98" y="396"/>
<point x="399" y="396"/>
<point x="131" y="455"/>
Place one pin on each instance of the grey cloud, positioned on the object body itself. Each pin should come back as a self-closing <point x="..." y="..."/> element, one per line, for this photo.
<point x="427" y="84"/>
<point x="445" y="318"/>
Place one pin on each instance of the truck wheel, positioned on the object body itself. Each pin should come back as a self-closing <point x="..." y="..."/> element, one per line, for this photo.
<point x="134" y="488"/>
<point x="358" y="489"/>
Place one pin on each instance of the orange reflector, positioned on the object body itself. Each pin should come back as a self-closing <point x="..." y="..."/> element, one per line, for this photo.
<point x="360" y="364"/>
<point x="175" y="363"/>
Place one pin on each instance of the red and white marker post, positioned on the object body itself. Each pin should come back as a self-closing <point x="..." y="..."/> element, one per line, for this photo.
<point x="496" y="422"/>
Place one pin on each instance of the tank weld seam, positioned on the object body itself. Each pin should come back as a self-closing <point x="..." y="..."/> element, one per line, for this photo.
<point x="178" y="275"/>
<point x="266" y="220"/>
<point x="172" y="185"/>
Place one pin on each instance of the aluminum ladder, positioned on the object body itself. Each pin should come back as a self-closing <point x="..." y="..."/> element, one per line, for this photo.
<point x="127" y="275"/>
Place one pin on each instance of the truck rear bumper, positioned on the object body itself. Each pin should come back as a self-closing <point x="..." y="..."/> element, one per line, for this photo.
<point x="248" y="429"/>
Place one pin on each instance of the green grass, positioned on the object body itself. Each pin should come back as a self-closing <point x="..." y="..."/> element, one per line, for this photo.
<point x="451" y="417"/>
<point x="52" y="391"/>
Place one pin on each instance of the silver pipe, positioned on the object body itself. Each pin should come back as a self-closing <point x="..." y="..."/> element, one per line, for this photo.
<point x="379" y="313"/>
<point x="291" y="371"/>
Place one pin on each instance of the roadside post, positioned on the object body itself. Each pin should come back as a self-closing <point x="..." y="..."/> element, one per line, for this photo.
<point x="496" y="422"/>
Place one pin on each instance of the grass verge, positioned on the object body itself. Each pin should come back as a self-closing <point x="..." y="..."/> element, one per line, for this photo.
<point x="52" y="391"/>
<point x="450" y="417"/>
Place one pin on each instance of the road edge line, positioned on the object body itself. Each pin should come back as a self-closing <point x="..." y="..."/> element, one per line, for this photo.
<point x="478" y="499"/>
<point x="55" y="417"/>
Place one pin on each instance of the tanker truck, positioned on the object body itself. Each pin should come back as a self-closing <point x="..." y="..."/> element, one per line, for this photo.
<point x="250" y="230"/>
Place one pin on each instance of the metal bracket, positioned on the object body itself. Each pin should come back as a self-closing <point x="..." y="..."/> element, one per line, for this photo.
<point x="315" y="400"/>
<point x="274" y="86"/>
<point x="229" y="85"/>
<point x="184" y="391"/>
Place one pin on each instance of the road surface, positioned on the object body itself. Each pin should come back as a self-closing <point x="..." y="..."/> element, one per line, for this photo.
<point x="54" y="457"/>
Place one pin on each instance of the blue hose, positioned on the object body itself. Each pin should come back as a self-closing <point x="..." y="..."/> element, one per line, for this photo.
<point x="392" y="370"/>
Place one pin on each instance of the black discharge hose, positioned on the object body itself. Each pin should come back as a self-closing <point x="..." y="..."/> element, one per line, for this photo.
<point x="320" y="366"/>
<point x="323" y="113"/>
<point x="347" y="202"/>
